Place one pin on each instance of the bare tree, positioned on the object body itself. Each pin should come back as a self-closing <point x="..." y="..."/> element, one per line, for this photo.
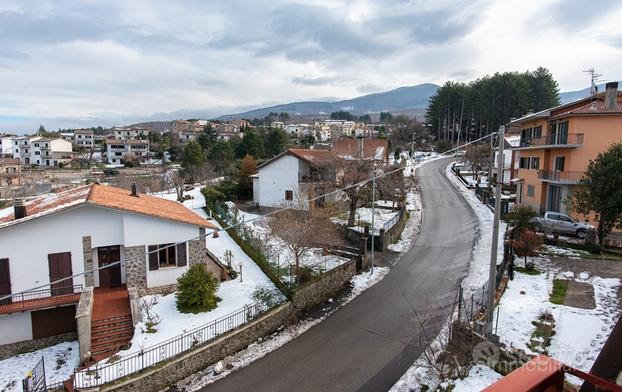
<point x="348" y="176"/>
<point x="392" y="186"/>
<point x="178" y="179"/>
<point x="303" y="230"/>
<point x="477" y="156"/>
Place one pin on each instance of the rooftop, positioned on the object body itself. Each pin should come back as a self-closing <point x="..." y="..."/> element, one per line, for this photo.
<point x="107" y="197"/>
<point x="376" y="149"/>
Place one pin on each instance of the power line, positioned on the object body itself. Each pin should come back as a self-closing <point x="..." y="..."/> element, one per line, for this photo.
<point x="203" y="236"/>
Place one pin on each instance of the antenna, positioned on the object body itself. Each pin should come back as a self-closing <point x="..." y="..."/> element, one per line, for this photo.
<point x="594" y="78"/>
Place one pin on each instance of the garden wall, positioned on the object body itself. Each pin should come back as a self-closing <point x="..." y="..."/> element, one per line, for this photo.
<point x="324" y="287"/>
<point x="160" y="377"/>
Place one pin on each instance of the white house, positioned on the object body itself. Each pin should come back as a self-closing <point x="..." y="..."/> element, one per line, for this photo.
<point x="6" y="145"/>
<point x="118" y="151"/>
<point x="68" y="235"/>
<point x="128" y="133"/>
<point x="509" y="156"/>
<point x="83" y="138"/>
<point x="293" y="177"/>
<point x="40" y="151"/>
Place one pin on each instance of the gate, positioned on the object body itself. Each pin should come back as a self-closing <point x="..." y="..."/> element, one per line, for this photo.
<point x="35" y="382"/>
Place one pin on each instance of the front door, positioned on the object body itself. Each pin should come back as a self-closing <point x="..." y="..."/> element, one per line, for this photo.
<point x="111" y="276"/>
<point x="555" y="198"/>
<point x="60" y="267"/>
<point x="5" y="281"/>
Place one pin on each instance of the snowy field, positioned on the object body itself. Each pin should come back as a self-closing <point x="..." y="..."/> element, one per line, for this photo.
<point x="60" y="361"/>
<point x="577" y="347"/>
<point x="383" y="218"/>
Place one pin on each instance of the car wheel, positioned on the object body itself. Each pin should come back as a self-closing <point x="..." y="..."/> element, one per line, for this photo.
<point x="581" y="233"/>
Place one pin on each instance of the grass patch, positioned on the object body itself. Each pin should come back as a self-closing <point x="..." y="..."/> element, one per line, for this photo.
<point x="528" y="271"/>
<point x="560" y="287"/>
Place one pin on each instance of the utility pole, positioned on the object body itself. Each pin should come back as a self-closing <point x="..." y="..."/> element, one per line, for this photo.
<point x="492" y="278"/>
<point x="373" y="215"/>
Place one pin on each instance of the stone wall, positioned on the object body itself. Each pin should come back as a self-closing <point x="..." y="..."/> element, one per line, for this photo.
<point x="12" y="349"/>
<point x="196" y="251"/>
<point x="137" y="315"/>
<point x="87" y="252"/>
<point x="393" y="234"/>
<point x="162" y="376"/>
<point x="83" y="321"/>
<point x="324" y="287"/>
<point x="136" y="267"/>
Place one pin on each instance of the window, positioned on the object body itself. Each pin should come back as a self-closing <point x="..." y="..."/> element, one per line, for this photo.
<point x="289" y="195"/>
<point x="559" y="163"/>
<point x="537" y="132"/>
<point x="167" y="255"/>
<point x="535" y="163"/>
<point x="523" y="163"/>
<point x="531" y="191"/>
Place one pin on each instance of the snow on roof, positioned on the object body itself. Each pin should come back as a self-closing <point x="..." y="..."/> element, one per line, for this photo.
<point x="108" y="197"/>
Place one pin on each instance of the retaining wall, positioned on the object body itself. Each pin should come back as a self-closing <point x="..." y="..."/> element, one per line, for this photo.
<point x="324" y="287"/>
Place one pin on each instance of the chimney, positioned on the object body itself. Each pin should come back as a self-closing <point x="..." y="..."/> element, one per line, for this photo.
<point x="611" y="96"/>
<point x="359" y="146"/>
<point x="19" y="209"/>
<point x="134" y="192"/>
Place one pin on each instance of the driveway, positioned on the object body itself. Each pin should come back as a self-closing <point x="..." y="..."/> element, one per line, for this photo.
<point x="368" y="344"/>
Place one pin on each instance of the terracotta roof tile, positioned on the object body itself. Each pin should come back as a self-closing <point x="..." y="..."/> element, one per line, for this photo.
<point x="109" y="197"/>
<point x="316" y="157"/>
<point x="372" y="149"/>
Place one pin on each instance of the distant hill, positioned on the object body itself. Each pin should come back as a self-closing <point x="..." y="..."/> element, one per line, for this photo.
<point x="570" y="96"/>
<point x="411" y="98"/>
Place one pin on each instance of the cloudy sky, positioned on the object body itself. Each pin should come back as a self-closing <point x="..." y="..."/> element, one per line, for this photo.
<point x="73" y="63"/>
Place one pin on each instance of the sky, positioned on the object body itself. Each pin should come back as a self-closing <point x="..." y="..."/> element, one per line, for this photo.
<point x="114" y="62"/>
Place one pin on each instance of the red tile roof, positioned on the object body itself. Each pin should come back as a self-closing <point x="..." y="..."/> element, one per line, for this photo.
<point x="376" y="149"/>
<point x="596" y="107"/>
<point x="316" y="157"/>
<point x="109" y="197"/>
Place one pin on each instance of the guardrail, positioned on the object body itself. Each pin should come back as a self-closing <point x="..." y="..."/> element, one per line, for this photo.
<point x="39" y="298"/>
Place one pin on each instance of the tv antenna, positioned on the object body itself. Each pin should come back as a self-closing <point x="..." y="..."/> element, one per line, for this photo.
<point x="594" y="78"/>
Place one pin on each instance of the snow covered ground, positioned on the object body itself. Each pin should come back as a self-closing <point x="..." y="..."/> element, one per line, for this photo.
<point x="480" y="376"/>
<point x="262" y="347"/>
<point x="60" y="361"/>
<point x="415" y="211"/>
<point x="363" y="217"/>
<point x="480" y="261"/>
<point x="528" y="295"/>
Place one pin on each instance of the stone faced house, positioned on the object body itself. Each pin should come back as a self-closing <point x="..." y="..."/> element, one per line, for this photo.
<point x="69" y="234"/>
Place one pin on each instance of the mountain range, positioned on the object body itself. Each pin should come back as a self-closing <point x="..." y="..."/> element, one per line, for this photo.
<point x="409" y="99"/>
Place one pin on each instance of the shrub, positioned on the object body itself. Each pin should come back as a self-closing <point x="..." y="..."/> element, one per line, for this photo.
<point x="197" y="290"/>
<point x="267" y="296"/>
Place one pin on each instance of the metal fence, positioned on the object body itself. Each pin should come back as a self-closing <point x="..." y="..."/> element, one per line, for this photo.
<point x="35" y="382"/>
<point x="119" y="366"/>
<point x="393" y="221"/>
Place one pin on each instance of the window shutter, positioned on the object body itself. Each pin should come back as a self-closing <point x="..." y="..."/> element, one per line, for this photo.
<point x="153" y="257"/>
<point x="181" y="255"/>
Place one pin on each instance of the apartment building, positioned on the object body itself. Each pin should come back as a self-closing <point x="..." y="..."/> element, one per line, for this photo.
<point x="128" y="133"/>
<point x="40" y="151"/>
<point x="83" y="138"/>
<point x="10" y="172"/>
<point x="557" y="144"/>
<point x="120" y="151"/>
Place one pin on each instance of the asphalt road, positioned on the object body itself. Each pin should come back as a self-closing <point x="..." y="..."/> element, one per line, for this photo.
<point x="368" y="344"/>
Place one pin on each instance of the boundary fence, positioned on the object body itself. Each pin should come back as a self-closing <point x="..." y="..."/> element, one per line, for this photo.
<point x="117" y="366"/>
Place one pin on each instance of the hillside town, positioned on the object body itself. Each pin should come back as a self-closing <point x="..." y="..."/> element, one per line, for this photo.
<point x="460" y="236"/>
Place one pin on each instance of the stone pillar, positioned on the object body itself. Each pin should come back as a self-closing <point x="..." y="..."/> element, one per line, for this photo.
<point x="83" y="322"/>
<point x="87" y="254"/>
<point x="136" y="267"/>
<point x="196" y="251"/>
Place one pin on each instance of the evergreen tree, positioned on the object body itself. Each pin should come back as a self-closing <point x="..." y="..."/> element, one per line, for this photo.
<point x="276" y="141"/>
<point x="600" y="190"/>
<point x="544" y="88"/>
<point x="207" y="138"/>
<point x="341" y="115"/>
<point x="252" y="144"/>
<point x="192" y="155"/>
<point x="385" y="117"/>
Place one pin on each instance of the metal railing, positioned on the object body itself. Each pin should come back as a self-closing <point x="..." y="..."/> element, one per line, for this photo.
<point x="35" y="381"/>
<point x="393" y="221"/>
<point x="26" y="300"/>
<point x="553" y="140"/>
<point x="569" y="177"/>
<point x="119" y="366"/>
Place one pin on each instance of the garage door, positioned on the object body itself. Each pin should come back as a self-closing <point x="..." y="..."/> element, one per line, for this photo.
<point x="51" y="322"/>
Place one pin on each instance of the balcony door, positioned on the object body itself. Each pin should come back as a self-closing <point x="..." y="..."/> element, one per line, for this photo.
<point x="5" y="281"/>
<point x="559" y="163"/>
<point x="60" y="267"/>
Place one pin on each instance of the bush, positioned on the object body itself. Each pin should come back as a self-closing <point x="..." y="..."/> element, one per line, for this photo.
<point x="197" y="290"/>
<point x="267" y="296"/>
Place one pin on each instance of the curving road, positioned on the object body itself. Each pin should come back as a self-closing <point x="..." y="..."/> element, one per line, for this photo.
<point x="368" y="344"/>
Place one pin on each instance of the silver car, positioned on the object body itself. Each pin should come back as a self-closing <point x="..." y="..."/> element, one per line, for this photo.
<point x="556" y="222"/>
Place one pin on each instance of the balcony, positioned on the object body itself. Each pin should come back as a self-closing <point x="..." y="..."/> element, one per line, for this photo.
<point x="560" y="177"/>
<point x="41" y="299"/>
<point x="570" y="140"/>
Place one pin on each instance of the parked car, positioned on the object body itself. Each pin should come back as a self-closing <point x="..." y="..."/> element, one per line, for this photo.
<point x="557" y="222"/>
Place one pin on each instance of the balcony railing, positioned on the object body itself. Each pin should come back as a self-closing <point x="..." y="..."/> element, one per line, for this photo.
<point x="40" y="299"/>
<point x="561" y="177"/>
<point x="571" y="139"/>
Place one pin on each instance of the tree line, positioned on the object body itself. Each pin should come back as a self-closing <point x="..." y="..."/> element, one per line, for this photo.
<point x="478" y="108"/>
